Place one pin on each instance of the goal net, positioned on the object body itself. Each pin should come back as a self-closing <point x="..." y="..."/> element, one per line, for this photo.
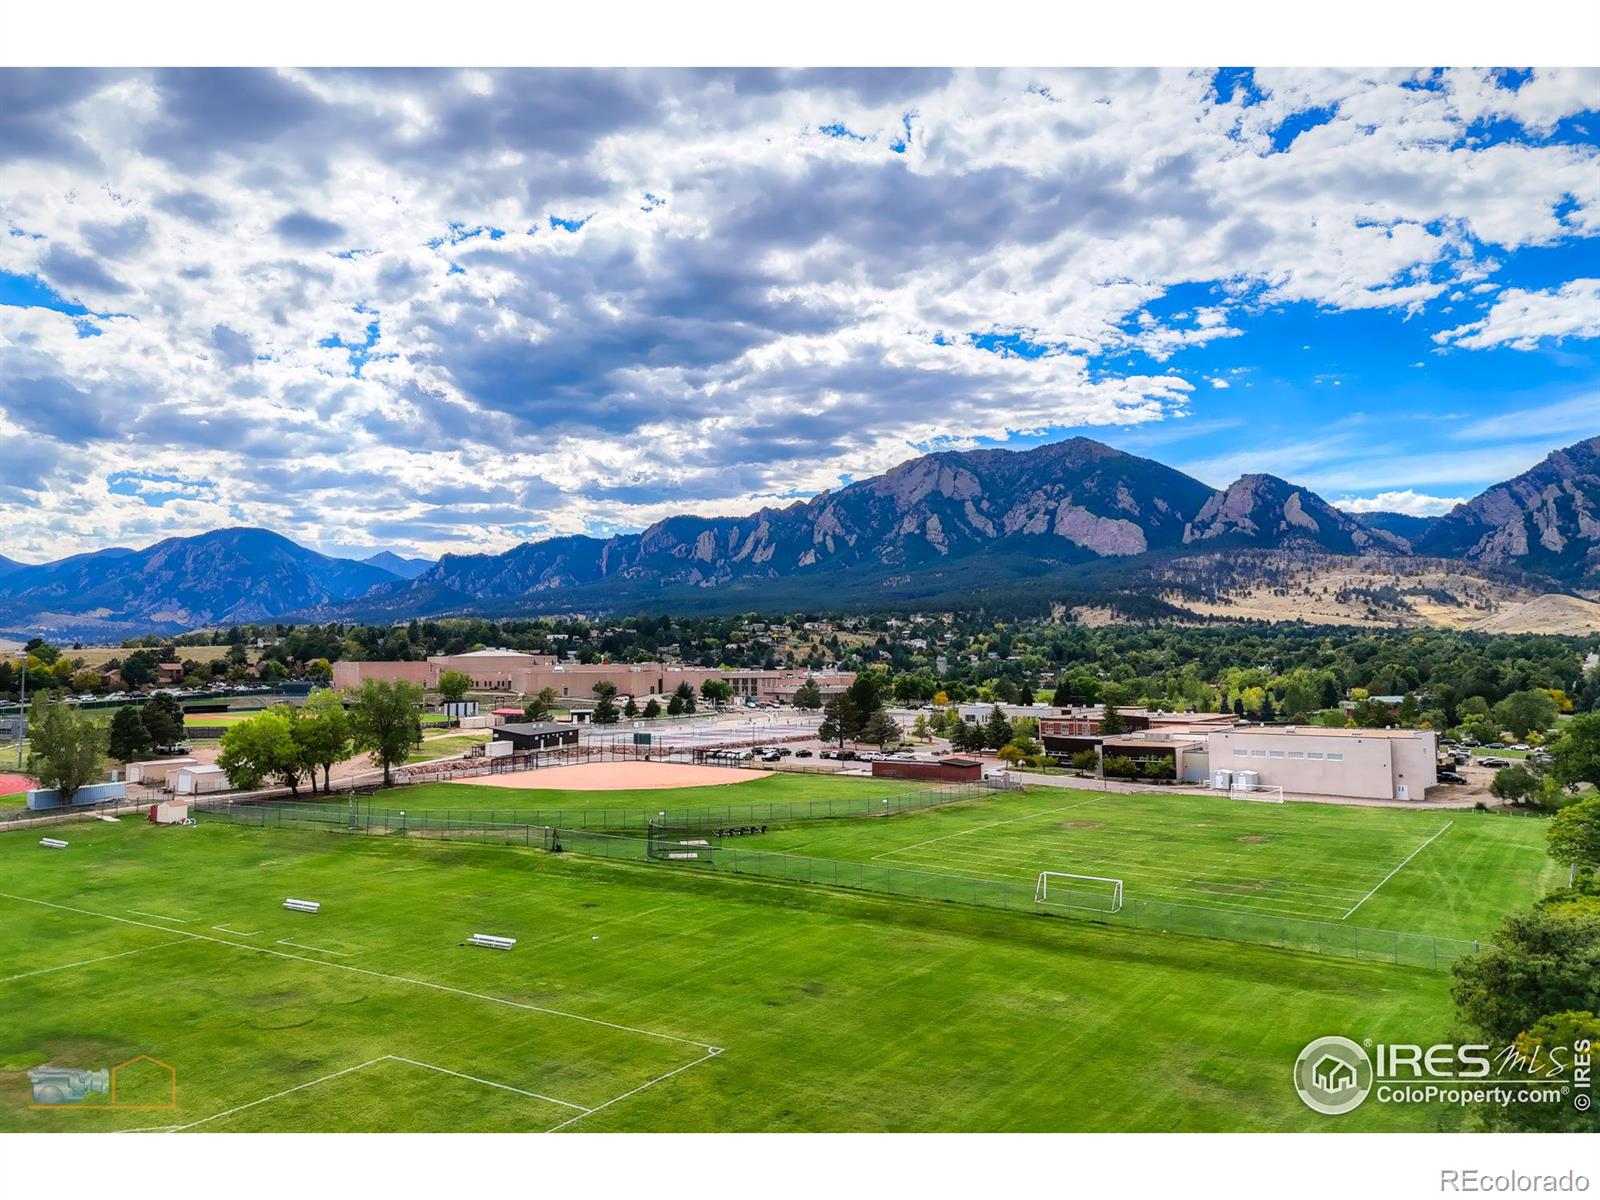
<point x="1096" y="893"/>
<point x="1262" y="793"/>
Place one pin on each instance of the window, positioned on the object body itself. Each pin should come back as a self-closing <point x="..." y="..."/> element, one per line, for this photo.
<point x="1335" y="758"/>
<point x="1240" y="752"/>
<point x="1314" y="754"/>
<point x="1297" y="754"/>
<point x="1258" y="754"/>
<point x="1275" y="754"/>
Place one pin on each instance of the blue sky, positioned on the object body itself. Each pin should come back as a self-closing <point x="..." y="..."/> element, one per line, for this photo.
<point x="453" y="310"/>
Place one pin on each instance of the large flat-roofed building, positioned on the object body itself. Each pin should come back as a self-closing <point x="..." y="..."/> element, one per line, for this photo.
<point x="1377" y="764"/>
<point x="529" y="674"/>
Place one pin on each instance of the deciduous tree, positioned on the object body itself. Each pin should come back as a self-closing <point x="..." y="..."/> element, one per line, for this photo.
<point x="66" y="748"/>
<point x="386" y="722"/>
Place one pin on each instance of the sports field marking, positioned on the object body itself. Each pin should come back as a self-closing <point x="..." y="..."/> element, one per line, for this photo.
<point x="711" y="1052"/>
<point x="490" y="1083"/>
<point x="85" y="962"/>
<point x="175" y="920"/>
<point x="979" y="828"/>
<point x="317" y="949"/>
<point x="1396" y="871"/>
<point x="438" y="987"/>
<point x="235" y="932"/>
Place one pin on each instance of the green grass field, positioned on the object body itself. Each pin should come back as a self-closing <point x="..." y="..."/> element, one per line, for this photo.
<point x="637" y="998"/>
<point x="445" y="746"/>
<point x="1462" y="870"/>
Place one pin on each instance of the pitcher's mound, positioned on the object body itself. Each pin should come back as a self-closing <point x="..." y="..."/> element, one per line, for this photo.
<point x="618" y="777"/>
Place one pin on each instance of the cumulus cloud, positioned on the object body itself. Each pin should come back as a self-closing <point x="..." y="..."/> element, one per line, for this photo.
<point x="1413" y="504"/>
<point x="451" y="309"/>
<point x="1522" y="319"/>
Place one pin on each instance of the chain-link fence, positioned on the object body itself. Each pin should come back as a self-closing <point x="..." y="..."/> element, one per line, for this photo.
<point x="617" y="835"/>
<point x="1319" y="937"/>
<point x="371" y="818"/>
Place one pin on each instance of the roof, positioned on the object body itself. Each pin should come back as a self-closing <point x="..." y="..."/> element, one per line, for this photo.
<point x="492" y="652"/>
<point x="956" y="762"/>
<point x="202" y="769"/>
<point x="1320" y="731"/>
<point x="533" y="728"/>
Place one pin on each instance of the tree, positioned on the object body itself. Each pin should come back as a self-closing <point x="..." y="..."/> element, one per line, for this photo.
<point x="629" y="708"/>
<point x="323" y="734"/>
<point x="1557" y="1033"/>
<point x="540" y="707"/>
<point x="163" y="717"/>
<point x="604" y="689"/>
<point x="272" y="671"/>
<point x="1574" y="836"/>
<point x="1524" y="712"/>
<point x="996" y="730"/>
<point x="1113" y="722"/>
<point x="1267" y="714"/>
<point x="66" y="749"/>
<point x="129" y="739"/>
<point x="652" y="709"/>
<point x="140" y="669"/>
<point x="454" y="684"/>
<point x="675" y="706"/>
<point x="259" y="749"/>
<point x="386" y="722"/>
<point x="882" y="729"/>
<point x="1514" y="785"/>
<point x="718" y="691"/>
<point x="808" y="695"/>
<point x="685" y="693"/>
<point x="919" y="728"/>
<point x="1539" y="962"/>
<point x="1575" y="755"/>
<point x="839" y="719"/>
<point x="605" y="711"/>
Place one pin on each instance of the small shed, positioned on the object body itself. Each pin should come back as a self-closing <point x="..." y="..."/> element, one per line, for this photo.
<point x="157" y="772"/>
<point x="526" y="736"/>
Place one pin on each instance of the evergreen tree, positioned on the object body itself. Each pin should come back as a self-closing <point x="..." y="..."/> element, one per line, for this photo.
<point x="997" y="730"/>
<point x="130" y="740"/>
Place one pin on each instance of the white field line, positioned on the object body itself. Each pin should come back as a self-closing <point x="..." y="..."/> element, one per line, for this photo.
<point x="175" y="920"/>
<point x="85" y="962"/>
<point x="299" y="1087"/>
<point x="491" y="1083"/>
<point x="235" y="932"/>
<point x="316" y="949"/>
<point x="979" y="828"/>
<point x="711" y="1052"/>
<point x="426" y="983"/>
<point x="1396" y="871"/>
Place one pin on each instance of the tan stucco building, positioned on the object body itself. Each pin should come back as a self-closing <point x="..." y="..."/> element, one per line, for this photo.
<point x="1379" y="764"/>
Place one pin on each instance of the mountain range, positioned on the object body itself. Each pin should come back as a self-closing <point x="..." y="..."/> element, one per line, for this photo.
<point x="1075" y="520"/>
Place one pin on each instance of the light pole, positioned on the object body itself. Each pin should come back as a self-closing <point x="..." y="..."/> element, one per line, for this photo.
<point x="22" y="706"/>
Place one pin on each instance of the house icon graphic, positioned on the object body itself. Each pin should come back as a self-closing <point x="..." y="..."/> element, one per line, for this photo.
<point x="1333" y="1074"/>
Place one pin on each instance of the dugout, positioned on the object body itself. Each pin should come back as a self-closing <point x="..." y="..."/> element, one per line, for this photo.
<point x="526" y="736"/>
<point x="945" y="770"/>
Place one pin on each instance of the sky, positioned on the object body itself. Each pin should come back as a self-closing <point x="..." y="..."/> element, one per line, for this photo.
<point x="452" y="310"/>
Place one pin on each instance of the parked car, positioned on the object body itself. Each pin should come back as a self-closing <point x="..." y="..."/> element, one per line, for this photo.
<point x="1492" y="761"/>
<point x="1519" y="746"/>
<point x="1451" y="777"/>
<point x="802" y="754"/>
<point x="1494" y="745"/>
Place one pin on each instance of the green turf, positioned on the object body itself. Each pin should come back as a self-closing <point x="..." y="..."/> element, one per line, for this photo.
<point x="1317" y="862"/>
<point x="834" y="1011"/>
<point x="444" y="747"/>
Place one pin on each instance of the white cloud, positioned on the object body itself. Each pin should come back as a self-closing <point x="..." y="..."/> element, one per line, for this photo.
<point x="1414" y="504"/>
<point x="1521" y="319"/>
<point x="750" y="309"/>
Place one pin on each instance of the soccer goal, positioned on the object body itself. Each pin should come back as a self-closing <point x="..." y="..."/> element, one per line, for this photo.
<point x="1096" y="893"/>
<point x="1262" y="793"/>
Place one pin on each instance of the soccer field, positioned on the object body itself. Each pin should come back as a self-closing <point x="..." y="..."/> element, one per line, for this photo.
<point x="637" y="998"/>
<point x="1447" y="873"/>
